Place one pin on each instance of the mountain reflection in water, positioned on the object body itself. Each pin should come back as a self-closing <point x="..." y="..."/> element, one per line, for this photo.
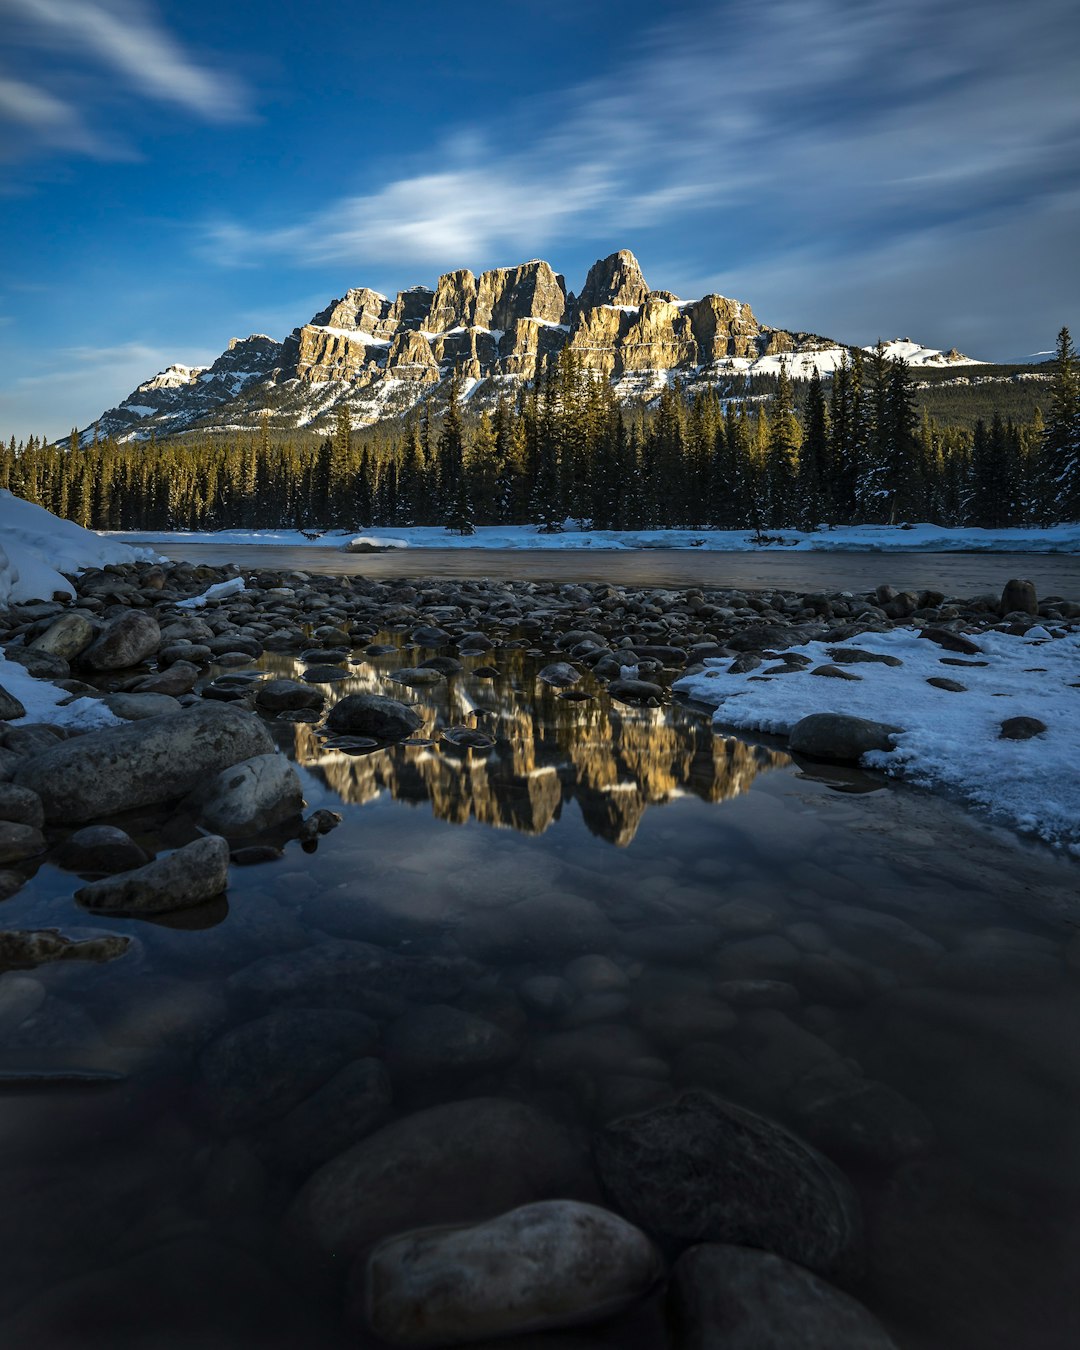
<point x="614" y="760"/>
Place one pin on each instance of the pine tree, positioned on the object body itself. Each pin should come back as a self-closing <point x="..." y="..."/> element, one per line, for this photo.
<point x="815" y="477"/>
<point x="1061" y="443"/>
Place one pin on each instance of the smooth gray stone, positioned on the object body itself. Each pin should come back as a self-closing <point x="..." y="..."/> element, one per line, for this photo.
<point x="251" y="796"/>
<point x="838" y="738"/>
<point x="187" y="877"/>
<point x="124" y="641"/>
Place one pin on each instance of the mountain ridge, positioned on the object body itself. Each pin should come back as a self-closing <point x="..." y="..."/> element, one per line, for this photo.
<point x="382" y="356"/>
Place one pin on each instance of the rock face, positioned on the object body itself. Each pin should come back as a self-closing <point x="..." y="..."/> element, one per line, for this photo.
<point x="703" y="1170"/>
<point x="144" y="763"/>
<point x="735" y="1298"/>
<point x="554" y="1264"/>
<point x="189" y="876"/>
<point x="382" y="355"/>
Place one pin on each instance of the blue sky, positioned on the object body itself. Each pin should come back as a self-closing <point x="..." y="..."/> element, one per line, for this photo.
<point x="172" y="175"/>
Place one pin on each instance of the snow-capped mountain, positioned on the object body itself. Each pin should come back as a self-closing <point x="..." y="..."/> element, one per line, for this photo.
<point x="380" y="357"/>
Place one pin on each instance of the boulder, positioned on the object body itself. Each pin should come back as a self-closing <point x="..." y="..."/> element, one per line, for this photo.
<point x="21" y="805"/>
<point x="18" y="842"/>
<point x="557" y="1263"/>
<point x="137" y="707"/>
<point x="66" y="637"/>
<point x="124" y="641"/>
<point x="703" y="1170"/>
<point x="251" y="796"/>
<point x="188" y="876"/>
<point x="100" y="848"/>
<point x="560" y="674"/>
<point x="1018" y="597"/>
<point x="463" y="1161"/>
<point x="287" y="696"/>
<point x="1021" y="728"/>
<point x="146" y="763"/>
<point x="734" y="1298"/>
<point x="373" y="715"/>
<point x="839" y="738"/>
<point x="11" y="709"/>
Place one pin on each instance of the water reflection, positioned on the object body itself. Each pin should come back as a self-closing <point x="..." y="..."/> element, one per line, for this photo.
<point x="613" y="760"/>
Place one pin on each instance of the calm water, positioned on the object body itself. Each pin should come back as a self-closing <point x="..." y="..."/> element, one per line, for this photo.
<point x="963" y="574"/>
<point x="915" y="958"/>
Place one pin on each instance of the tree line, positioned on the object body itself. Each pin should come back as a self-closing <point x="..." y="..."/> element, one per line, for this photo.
<point x="850" y="450"/>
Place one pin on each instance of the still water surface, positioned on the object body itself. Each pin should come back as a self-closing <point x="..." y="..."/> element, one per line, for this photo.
<point x="919" y="1022"/>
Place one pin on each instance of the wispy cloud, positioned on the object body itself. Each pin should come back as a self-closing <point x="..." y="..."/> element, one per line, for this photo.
<point x="857" y="119"/>
<point x="89" y="53"/>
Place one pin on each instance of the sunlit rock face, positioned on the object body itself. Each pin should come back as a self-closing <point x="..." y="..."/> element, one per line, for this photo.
<point x="614" y="761"/>
<point x="379" y="357"/>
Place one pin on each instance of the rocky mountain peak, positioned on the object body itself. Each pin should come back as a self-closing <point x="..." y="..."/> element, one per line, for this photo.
<point x="614" y="280"/>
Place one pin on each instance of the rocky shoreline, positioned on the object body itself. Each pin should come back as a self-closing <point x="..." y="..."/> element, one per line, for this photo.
<point x="752" y="1230"/>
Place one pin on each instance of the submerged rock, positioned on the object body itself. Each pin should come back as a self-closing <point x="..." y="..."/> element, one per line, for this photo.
<point x="557" y="1263"/>
<point x="189" y="876"/>
<point x="372" y="715"/>
<point x="100" y="848"/>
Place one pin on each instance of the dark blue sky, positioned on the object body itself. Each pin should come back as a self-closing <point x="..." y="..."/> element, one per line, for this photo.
<point x="172" y="175"/>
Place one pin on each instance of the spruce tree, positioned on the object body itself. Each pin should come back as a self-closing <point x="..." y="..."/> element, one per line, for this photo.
<point x="1061" y="443"/>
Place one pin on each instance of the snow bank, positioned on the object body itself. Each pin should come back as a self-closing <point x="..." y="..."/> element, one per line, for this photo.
<point x="42" y="700"/>
<point x="844" y="538"/>
<point x="216" y="592"/>
<point x="951" y="740"/>
<point x="36" y="547"/>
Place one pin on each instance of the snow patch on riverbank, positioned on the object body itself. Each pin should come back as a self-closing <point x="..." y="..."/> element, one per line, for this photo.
<point x="951" y="741"/>
<point x="42" y="701"/>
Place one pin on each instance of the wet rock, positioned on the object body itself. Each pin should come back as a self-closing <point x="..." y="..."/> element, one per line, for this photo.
<point x="10" y="884"/>
<point x="549" y="995"/>
<point x="953" y="642"/>
<point x="593" y="1051"/>
<point x="560" y="675"/>
<point x="142" y="764"/>
<point x="326" y="674"/>
<point x="734" y="1298"/>
<point x="189" y="876"/>
<point x="160" y="1012"/>
<point x="66" y="637"/>
<point x="859" y="1118"/>
<point x="427" y="635"/>
<point x="595" y="974"/>
<point x="467" y="738"/>
<point x="446" y="665"/>
<point x="1018" y="597"/>
<point x="11" y="710"/>
<point x="439" y="1041"/>
<point x="457" y="1163"/>
<point x="635" y="691"/>
<point x="179" y="678"/>
<point x="744" y="663"/>
<point x="950" y="686"/>
<point x="417" y="677"/>
<point x="287" y="696"/>
<point x="882" y="938"/>
<point x="124" y="641"/>
<point x="259" y="1071"/>
<point x="20" y="805"/>
<point x="552" y="925"/>
<point x="372" y="715"/>
<point x="557" y="1263"/>
<point x="42" y="665"/>
<point x="251" y="796"/>
<point x="835" y="673"/>
<point x="1021" y="728"/>
<point x="347" y="1108"/>
<point x="136" y="707"/>
<point x="838" y="738"/>
<point x="22" y="949"/>
<point x="704" y="1170"/>
<point x="254" y="854"/>
<point x="846" y="656"/>
<point x="18" y="842"/>
<point x="100" y="848"/>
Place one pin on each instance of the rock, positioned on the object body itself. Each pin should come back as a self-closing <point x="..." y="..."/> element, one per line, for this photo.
<point x="260" y="1070"/>
<point x="1018" y="597"/>
<point x="1021" y="728"/>
<point x="548" y="995"/>
<point x="66" y="637"/>
<point x="179" y="678"/>
<point x="845" y="656"/>
<point x="704" y="1170"/>
<point x="439" y="1041"/>
<point x="11" y="710"/>
<point x="251" y="796"/>
<point x="835" y="673"/>
<point x="136" y="707"/>
<point x="950" y="686"/>
<point x="142" y="764"/>
<point x="560" y="674"/>
<point x="372" y="715"/>
<point x="42" y="665"/>
<point x="861" y="1119"/>
<point x="188" y="876"/>
<point x="100" y="848"/>
<point x="635" y="691"/>
<point x="417" y="677"/>
<point x="346" y="1109"/>
<point x="124" y="641"/>
<point x="953" y="642"/>
<point x="557" y="1263"/>
<point x="838" y="738"/>
<point x="20" y="805"/>
<point x="735" y="1298"/>
<point x="457" y="1163"/>
<point x="24" y="949"/>
<point x="19" y="841"/>
<point x="10" y="884"/>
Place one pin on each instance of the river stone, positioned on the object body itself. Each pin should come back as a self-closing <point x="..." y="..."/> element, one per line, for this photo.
<point x="439" y="1041"/>
<point x="445" y="665"/>
<point x="734" y="1298"/>
<point x="704" y="1170"/>
<point x="100" y="848"/>
<point x="143" y="763"/>
<point x="417" y="676"/>
<point x="635" y="691"/>
<point x="178" y="678"/>
<point x="1021" y="728"/>
<point x="67" y="637"/>
<point x="18" y="842"/>
<point x="373" y="715"/>
<point x="21" y="805"/>
<point x="287" y="696"/>
<point x="838" y="738"/>
<point x="557" y="1263"/>
<point x="251" y="796"/>
<point x="859" y="1118"/>
<point x="124" y="641"/>
<point x="560" y="674"/>
<point x="138" y="707"/>
<point x="455" y="1163"/>
<point x="259" y="1071"/>
<point x="11" y="709"/>
<point x="27" y="948"/>
<point x="1018" y="597"/>
<point x="42" y="665"/>
<point x="952" y="642"/>
<point x="345" y="1109"/>
<point x="189" y="876"/>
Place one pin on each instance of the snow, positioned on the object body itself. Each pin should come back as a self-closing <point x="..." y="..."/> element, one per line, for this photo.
<point x="42" y="701"/>
<point x="353" y="335"/>
<point x="950" y="741"/>
<point x="925" y="538"/>
<point x="36" y="547"/>
<point x="216" y="592"/>
<point x="139" y="409"/>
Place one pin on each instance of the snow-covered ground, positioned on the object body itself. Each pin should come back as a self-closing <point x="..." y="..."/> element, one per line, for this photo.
<point x="843" y="538"/>
<point x="36" y="547"/>
<point x="42" y="700"/>
<point x="950" y="741"/>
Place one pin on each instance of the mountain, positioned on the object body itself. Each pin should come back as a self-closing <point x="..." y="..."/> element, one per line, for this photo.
<point x="381" y="356"/>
